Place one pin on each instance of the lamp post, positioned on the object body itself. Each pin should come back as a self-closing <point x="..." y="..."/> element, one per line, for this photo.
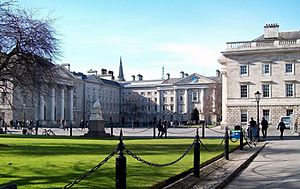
<point x="257" y="98"/>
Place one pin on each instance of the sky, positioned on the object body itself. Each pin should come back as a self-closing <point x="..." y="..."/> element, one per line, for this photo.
<point x="179" y="35"/>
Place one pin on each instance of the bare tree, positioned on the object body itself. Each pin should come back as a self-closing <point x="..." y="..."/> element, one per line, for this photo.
<point x="28" y="47"/>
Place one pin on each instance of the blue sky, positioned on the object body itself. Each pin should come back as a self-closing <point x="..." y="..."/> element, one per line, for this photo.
<point x="181" y="35"/>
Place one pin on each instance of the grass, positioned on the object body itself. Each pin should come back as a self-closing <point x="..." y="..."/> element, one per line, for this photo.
<point x="52" y="162"/>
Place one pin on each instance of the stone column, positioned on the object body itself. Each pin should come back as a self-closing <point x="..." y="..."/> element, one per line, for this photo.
<point x="175" y="100"/>
<point x="224" y="98"/>
<point x="202" y="100"/>
<point x="159" y="101"/>
<point x="186" y="94"/>
<point x="62" y="104"/>
<point x="71" y="101"/>
<point x="41" y="107"/>
<point x="52" y="104"/>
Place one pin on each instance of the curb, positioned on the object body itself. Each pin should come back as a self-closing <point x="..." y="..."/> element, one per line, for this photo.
<point x="240" y="168"/>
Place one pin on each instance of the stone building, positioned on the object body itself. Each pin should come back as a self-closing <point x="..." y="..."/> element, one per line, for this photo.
<point x="189" y="97"/>
<point x="268" y="64"/>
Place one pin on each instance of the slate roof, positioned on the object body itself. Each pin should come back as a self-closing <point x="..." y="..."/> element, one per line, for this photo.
<point x="282" y="35"/>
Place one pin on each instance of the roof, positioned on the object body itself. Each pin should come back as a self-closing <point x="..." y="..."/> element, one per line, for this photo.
<point x="171" y="80"/>
<point x="282" y="35"/>
<point x="109" y="82"/>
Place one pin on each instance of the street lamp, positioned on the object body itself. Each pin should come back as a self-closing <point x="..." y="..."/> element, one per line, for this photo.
<point x="257" y="98"/>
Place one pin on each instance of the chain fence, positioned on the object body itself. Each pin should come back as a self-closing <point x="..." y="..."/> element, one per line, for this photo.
<point x="157" y="164"/>
<point x="186" y="132"/>
<point x="219" y="147"/>
<point x="79" y="179"/>
<point x="137" y="132"/>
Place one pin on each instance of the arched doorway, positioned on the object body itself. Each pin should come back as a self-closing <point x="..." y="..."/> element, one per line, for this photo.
<point x="195" y="115"/>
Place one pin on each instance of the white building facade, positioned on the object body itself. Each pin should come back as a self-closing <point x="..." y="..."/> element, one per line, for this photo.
<point x="268" y="64"/>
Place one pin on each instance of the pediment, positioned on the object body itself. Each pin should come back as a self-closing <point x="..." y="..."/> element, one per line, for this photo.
<point x="195" y="79"/>
<point x="94" y="79"/>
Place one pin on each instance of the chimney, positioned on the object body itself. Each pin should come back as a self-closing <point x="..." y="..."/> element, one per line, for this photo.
<point x="181" y="74"/>
<point x="133" y="77"/>
<point x="111" y="73"/>
<point x="168" y="76"/>
<point x="140" y="77"/>
<point x="271" y="31"/>
<point x="186" y="74"/>
<point x="103" y="71"/>
<point x="218" y="73"/>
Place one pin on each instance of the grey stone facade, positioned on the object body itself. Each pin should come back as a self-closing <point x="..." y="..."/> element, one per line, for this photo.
<point x="268" y="64"/>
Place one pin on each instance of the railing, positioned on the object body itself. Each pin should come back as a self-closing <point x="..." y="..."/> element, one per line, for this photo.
<point x="120" y="150"/>
<point x="242" y="45"/>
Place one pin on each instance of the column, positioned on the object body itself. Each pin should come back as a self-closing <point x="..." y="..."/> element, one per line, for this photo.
<point x="186" y="94"/>
<point x="52" y="104"/>
<point x="202" y="100"/>
<point x="71" y="101"/>
<point x="159" y="101"/>
<point x="62" y="104"/>
<point x="224" y="98"/>
<point x="42" y="104"/>
<point x="175" y="101"/>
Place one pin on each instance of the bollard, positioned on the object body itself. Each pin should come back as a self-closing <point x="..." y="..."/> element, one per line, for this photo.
<point x="226" y="145"/>
<point x="197" y="156"/>
<point x="111" y="130"/>
<point x="121" y="165"/>
<point x="5" y="126"/>
<point x="203" y="130"/>
<point x="241" y="138"/>
<point x="154" y="129"/>
<point x="36" y="128"/>
<point x="71" y="127"/>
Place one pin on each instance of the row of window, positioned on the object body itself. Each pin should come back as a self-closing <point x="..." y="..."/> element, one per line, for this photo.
<point x="266" y="69"/>
<point x="266" y="115"/>
<point x="266" y="90"/>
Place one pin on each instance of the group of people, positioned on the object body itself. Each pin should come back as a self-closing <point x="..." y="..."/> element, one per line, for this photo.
<point x="264" y="127"/>
<point x="163" y="127"/>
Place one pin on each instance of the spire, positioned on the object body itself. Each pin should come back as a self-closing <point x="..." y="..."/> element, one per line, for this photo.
<point x="121" y="75"/>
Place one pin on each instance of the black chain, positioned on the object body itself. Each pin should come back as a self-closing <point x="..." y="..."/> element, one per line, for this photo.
<point x="76" y="181"/>
<point x="182" y="132"/>
<point x="233" y="141"/>
<point x="216" y="131"/>
<point x="214" y="149"/>
<point x="130" y="132"/>
<point x="156" y="164"/>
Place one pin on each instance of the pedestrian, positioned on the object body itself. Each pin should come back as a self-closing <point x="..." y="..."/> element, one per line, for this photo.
<point x="281" y="127"/>
<point x="252" y="130"/>
<point x="160" y="129"/>
<point x="264" y="127"/>
<point x="81" y="124"/>
<point x="296" y="126"/>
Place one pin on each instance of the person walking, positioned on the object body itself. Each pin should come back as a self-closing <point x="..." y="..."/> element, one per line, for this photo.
<point x="264" y="126"/>
<point x="296" y="126"/>
<point x="281" y="127"/>
<point x="252" y="129"/>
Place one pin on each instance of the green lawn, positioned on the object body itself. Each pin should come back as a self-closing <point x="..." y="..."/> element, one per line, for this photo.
<point x="52" y="162"/>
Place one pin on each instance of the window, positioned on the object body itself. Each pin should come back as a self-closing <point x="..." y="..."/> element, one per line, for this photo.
<point x="172" y="107"/>
<point x="172" y="99"/>
<point x="266" y="69"/>
<point x="149" y="108"/>
<point x="181" y="98"/>
<point x="243" y="70"/>
<point x="164" y="107"/>
<point x="164" y="99"/>
<point x="244" y="91"/>
<point x="266" y="90"/>
<point x="289" y="112"/>
<point x="155" y="99"/>
<point x="289" y="68"/>
<point x="142" y="93"/>
<point x="244" y="116"/>
<point x="155" y="108"/>
<point x="195" y="96"/>
<point x="149" y="93"/>
<point x="289" y="89"/>
<point x="266" y="115"/>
